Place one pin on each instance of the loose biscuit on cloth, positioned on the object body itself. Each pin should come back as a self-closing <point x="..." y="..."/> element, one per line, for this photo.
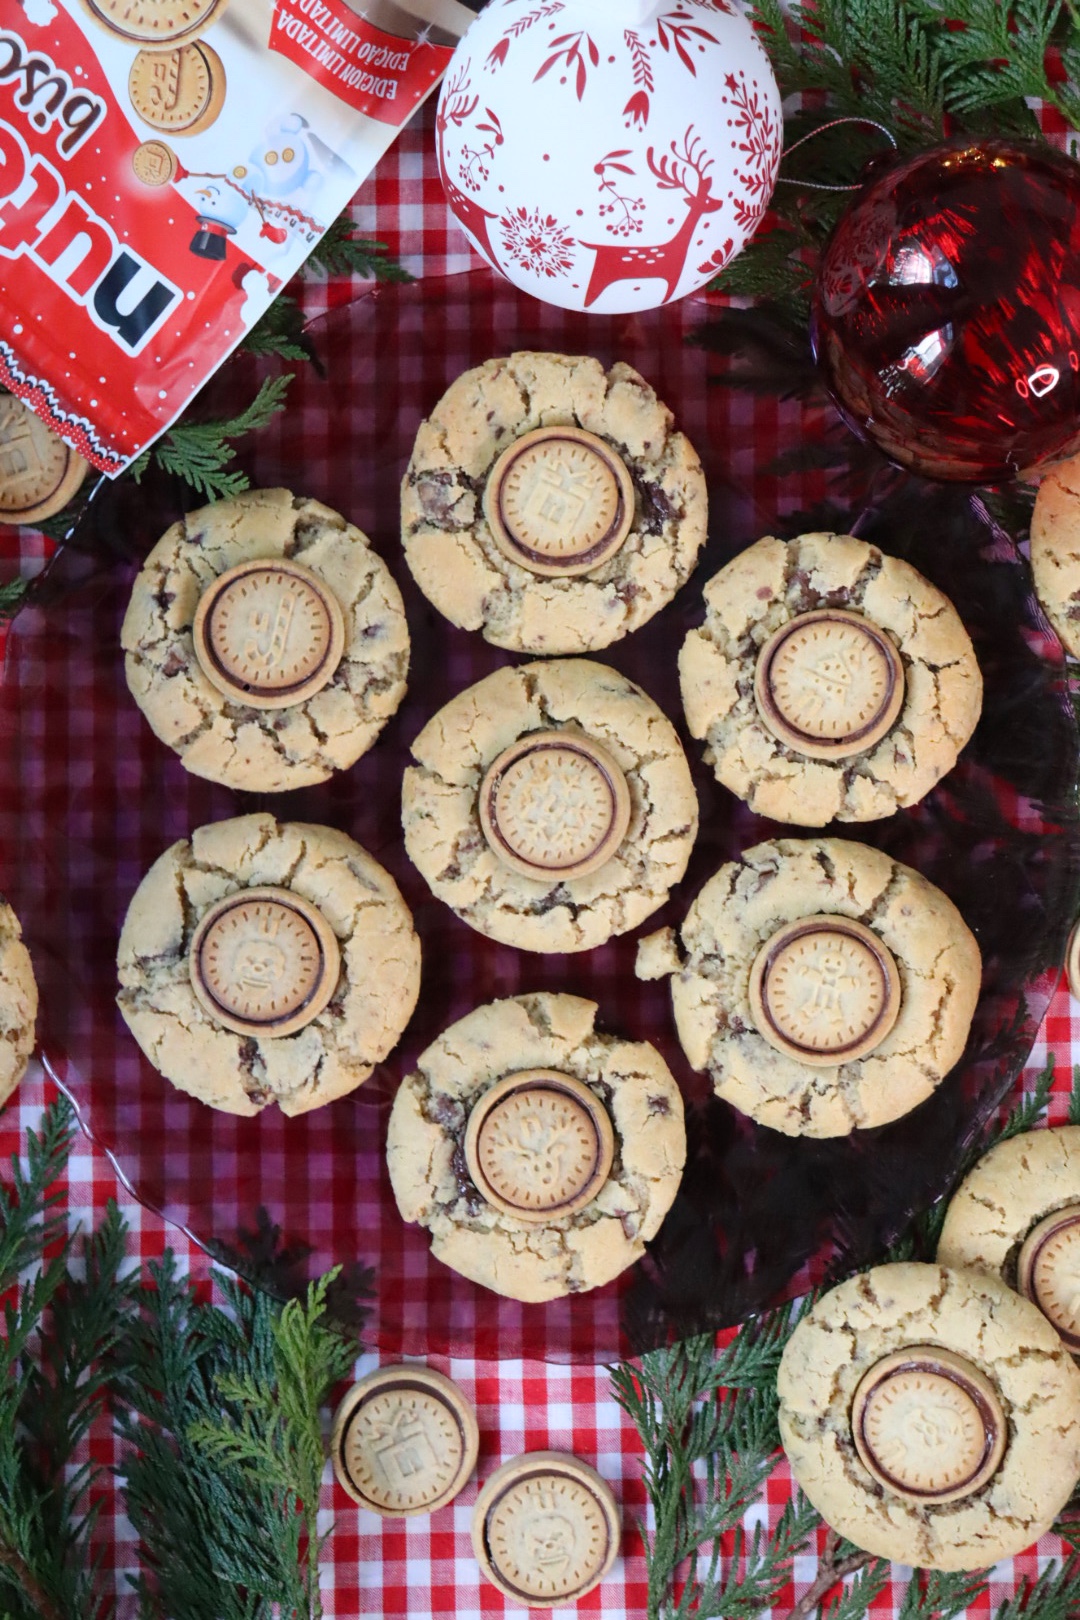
<point x="522" y="540"/>
<point x="1016" y="1217"/>
<point x="545" y="1529"/>
<point x="845" y="716"/>
<point x="255" y="927"/>
<point x="1055" y="550"/>
<point x="824" y="986"/>
<point x="931" y="1416"/>
<point x="18" y="1003"/>
<point x="550" y="805"/>
<point x="269" y="678"/>
<point x="538" y="1149"/>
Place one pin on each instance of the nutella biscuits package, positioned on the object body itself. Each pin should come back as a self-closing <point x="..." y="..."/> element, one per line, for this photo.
<point x="165" y="167"/>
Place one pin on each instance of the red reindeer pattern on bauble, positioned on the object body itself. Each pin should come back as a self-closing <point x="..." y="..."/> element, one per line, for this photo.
<point x="455" y="107"/>
<point x="686" y="170"/>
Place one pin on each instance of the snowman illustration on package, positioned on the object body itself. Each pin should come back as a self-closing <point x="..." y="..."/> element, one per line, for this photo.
<point x="271" y="198"/>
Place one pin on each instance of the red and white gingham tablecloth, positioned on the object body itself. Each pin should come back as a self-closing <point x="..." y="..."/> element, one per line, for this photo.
<point x="424" y="1566"/>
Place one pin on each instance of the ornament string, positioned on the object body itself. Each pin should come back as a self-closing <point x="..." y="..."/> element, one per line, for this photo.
<point x="834" y="123"/>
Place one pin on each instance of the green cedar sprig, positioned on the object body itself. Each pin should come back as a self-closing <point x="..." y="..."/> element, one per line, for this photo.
<point x="279" y="330"/>
<point x="225" y="1452"/>
<point x="62" y="1323"/>
<point x="200" y="452"/>
<point x="339" y="252"/>
<point x="708" y="1424"/>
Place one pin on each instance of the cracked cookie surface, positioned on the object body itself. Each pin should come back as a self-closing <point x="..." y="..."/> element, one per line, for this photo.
<point x="441" y="814"/>
<point x="18" y="1003"/>
<point x="267" y="750"/>
<point x="426" y="1153"/>
<point x="1055" y="551"/>
<point x="373" y="999"/>
<point x="450" y="548"/>
<point x="977" y="1318"/>
<point x="742" y="906"/>
<point x="766" y="587"/>
<point x="1007" y="1194"/>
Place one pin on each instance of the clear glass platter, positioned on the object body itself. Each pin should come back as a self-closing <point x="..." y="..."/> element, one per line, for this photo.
<point x="92" y="798"/>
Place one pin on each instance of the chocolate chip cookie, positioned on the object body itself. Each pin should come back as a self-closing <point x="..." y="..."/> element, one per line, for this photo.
<point x="931" y="1416"/>
<point x="829" y="681"/>
<point x="551" y="505"/>
<point x="541" y="1155"/>
<point x="824" y="986"/>
<point x="267" y="962"/>
<point x="550" y="805"/>
<point x="1055" y="550"/>
<point x="18" y="1003"/>
<point x="1016" y="1217"/>
<point x="266" y="642"/>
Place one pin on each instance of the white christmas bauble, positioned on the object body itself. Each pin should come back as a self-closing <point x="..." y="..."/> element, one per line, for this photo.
<point x="609" y="155"/>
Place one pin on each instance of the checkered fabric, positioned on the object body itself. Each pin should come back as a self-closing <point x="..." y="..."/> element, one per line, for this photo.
<point x="184" y="1165"/>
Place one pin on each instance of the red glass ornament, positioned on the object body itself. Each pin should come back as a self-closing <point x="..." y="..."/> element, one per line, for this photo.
<point x="946" y="310"/>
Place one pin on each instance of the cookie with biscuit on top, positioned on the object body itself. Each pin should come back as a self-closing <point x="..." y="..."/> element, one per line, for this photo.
<point x="829" y="681"/>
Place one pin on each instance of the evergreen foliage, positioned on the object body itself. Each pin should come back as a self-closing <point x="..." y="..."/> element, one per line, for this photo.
<point x="924" y="69"/>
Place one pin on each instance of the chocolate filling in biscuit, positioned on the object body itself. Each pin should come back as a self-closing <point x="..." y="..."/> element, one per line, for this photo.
<point x="264" y="962"/>
<point x="1048" y="1271"/>
<point x="829" y="684"/>
<point x="825" y="990"/>
<point x="928" y="1425"/>
<point x="539" y="1145"/>
<point x="554" y="805"/>
<point x="559" y="501"/>
<point x="268" y="633"/>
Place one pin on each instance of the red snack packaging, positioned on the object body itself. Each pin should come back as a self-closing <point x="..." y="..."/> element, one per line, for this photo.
<point x="165" y="167"/>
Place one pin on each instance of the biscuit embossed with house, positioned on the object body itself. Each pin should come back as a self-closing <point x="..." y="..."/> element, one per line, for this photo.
<point x="550" y="504"/>
<point x="829" y="681"/>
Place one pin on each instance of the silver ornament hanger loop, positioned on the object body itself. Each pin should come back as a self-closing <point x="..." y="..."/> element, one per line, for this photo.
<point x="819" y="185"/>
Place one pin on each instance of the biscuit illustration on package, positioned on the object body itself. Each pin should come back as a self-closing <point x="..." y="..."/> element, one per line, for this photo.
<point x="829" y="681"/>
<point x="39" y="473"/>
<point x="267" y="962"/>
<point x="180" y="92"/>
<point x="823" y="986"/>
<point x="404" y="1441"/>
<point x="550" y="805"/>
<point x="154" y="163"/>
<point x="545" y="1529"/>
<point x="155" y="23"/>
<point x="266" y="642"/>
<point x="1016" y="1217"/>
<point x="551" y="505"/>
<point x="540" y="1155"/>
<point x="931" y="1416"/>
